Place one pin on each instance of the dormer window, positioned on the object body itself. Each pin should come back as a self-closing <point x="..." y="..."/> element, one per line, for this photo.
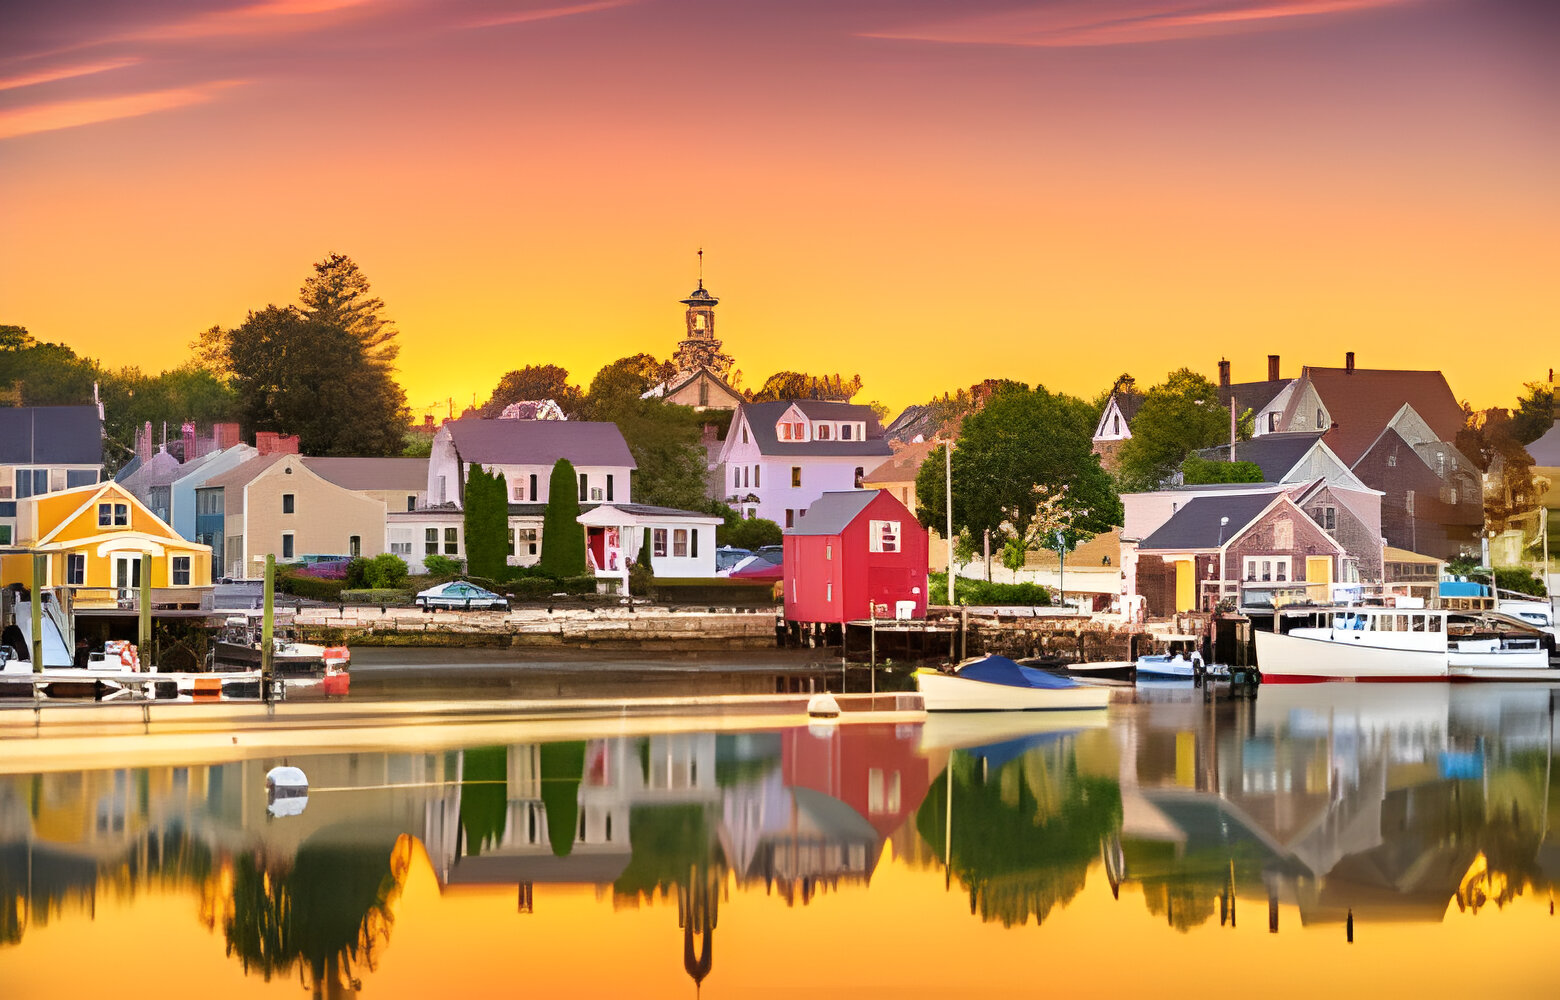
<point x="845" y="432"/>
<point x="823" y="432"/>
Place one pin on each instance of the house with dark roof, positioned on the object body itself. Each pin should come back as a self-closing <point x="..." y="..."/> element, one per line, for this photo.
<point x="1432" y="495"/>
<point x="1255" y="549"/>
<point x="1261" y="399"/>
<point x="857" y="554"/>
<point x="1284" y="457"/>
<point x="781" y="456"/>
<point x="46" y="449"/>
<point x="525" y="451"/>
<point x="1351" y="405"/>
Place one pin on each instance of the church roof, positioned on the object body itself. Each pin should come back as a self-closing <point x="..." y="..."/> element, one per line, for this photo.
<point x="700" y="297"/>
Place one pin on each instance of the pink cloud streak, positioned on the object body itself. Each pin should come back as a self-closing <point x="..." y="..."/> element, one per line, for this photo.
<point x="1097" y="24"/>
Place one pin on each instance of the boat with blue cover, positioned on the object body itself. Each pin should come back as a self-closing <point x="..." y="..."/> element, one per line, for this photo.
<point x="997" y="684"/>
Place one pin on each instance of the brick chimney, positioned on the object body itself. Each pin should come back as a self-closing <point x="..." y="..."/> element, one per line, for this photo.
<point x="1272" y="368"/>
<point x="1348" y="363"/>
<point x="224" y="435"/>
<point x="272" y="443"/>
<point x="1224" y="374"/>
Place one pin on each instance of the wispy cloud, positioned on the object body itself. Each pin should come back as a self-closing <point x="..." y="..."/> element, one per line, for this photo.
<point x="63" y="73"/>
<point x="1077" y="23"/>
<point x="547" y="13"/>
<point x="258" y="18"/>
<point x="70" y="114"/>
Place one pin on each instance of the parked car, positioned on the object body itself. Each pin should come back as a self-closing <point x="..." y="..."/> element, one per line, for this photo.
<point x="770" y="553"/>
<point x="462" y="596"/>
<point x="728" y="556"/>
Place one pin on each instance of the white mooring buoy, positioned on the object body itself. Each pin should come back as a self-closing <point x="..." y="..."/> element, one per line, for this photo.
<point x="823" y="706"/>
<point x="286" y="791"/>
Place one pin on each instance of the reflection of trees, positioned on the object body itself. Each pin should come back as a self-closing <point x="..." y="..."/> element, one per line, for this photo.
<point x="562" y="767"/>
<point x="326" y="914"/>
<point x="1024" y="836"/>
<point x="484" y="796"/>
<point x="670" y="844"/>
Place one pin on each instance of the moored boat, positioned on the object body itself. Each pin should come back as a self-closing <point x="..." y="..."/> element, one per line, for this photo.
<point x="1398" y="644"/>
<point x="997" y="684"/>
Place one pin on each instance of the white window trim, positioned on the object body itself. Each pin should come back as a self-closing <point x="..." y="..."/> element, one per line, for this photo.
<point x="1252" y="569"/>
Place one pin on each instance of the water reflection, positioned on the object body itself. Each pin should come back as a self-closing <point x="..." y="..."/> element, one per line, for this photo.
<point x="1338" y="804"/>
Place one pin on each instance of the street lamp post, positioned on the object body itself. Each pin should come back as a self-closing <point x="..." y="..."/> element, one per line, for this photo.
<point x="948" y="482"/>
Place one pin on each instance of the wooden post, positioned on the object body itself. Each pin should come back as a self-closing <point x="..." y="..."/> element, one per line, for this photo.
<point x="144" y="643"/>
<point x="267" y="621"/>
<point x="36" y="616"/>
<point x="872" y="657"/>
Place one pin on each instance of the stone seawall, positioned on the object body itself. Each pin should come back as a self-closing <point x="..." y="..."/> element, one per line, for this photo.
<point x="611" y="627"/>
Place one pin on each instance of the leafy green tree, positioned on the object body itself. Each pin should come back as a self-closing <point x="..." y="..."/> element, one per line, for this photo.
<point x="486" y="510"/>
<point x="1179" y="416"/>
<point x="753" y="533"/>
<point x="50" y="374"/>
<point x="664" y="439"/>
<point x="337" y="294"/>
<point x="1019" y="440"/>
<point x="297" y="375"/>
<point x="14" y="338"/>
<point x="799" y="385"/>
<point x="563" y="540"/>
<point x="1198" y="471"/>
<point x="534" y="382"/>
<point x="1535" y="412"/>
<point x="624" y="378"/>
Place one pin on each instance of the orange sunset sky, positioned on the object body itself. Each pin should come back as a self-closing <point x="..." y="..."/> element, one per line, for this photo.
<point x="927" y="193"/>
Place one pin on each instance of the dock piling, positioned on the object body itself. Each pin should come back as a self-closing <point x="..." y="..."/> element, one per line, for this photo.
<point x="36" y="615"/>
<point x="144" y="632"/>
<point x="267" y="622"/>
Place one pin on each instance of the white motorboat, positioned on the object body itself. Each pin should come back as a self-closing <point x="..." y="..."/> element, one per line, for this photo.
<point x="997" y="684"/>
<point x="1171" y="666"/>
<point x="1398" y="644"/>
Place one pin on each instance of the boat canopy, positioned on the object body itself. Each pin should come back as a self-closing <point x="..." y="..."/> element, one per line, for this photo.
<point x="1001" y="670"/>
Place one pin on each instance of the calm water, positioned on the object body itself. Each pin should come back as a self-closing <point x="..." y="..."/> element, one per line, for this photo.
<point x="1173" y="847"/>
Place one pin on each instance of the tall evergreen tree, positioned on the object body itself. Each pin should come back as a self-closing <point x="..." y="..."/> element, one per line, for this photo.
<point x="487" y="523"/>
<point x="563" y="540"/>
<point x="297" y="375"/>
<point x="338" y="295"/>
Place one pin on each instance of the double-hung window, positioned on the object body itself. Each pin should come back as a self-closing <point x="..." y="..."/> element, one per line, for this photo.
<point x="658" y="542"/>
<point x="680" y="543"/>
<point x="883" y="536"/>
<point x="76" y="568"/>
<point x="430" y="541"/>
<point x="451" y="541"/>
<point x="181" y="571"/>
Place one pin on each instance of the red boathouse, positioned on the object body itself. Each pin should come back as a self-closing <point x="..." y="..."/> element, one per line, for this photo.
<point x="855" y="554"/>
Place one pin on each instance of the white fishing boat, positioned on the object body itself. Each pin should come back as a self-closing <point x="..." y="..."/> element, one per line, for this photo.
<point x="997" y="684"/>
<point x="1398" y="644"/>
<point x="1176" y="664"/>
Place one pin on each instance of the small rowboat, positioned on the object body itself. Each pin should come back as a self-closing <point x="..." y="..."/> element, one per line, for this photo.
<point x="997" y="684"/>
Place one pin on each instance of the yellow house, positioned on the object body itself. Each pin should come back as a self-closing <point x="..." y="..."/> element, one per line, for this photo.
<point x="94" y="538"/>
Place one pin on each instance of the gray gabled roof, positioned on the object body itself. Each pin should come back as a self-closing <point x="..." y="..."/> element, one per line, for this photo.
<point x="1274" y="454"/>
<point x="51" y="435"/>
<point x="762" y="417"/>
<point x="1253" y="396"/>
<point x="539" y="442"/>
<point x="830" y="513"/>
<point x="1196" y="526"/>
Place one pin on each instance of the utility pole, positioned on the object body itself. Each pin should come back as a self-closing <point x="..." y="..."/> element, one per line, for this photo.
<point x="948" y="484"/>
<point x="35" y="613"/>
<point x="267" y="616"/>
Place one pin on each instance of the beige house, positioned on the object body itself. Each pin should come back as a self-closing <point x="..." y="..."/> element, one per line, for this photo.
<point x="278" y="505"/>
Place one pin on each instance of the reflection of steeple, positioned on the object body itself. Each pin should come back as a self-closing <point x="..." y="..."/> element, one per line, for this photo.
<point x="698" y="907"/>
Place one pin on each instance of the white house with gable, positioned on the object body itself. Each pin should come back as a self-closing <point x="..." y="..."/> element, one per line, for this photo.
<point x="780" y="457"/>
